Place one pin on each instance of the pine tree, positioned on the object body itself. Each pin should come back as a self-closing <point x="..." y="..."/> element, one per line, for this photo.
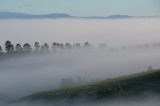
<point x="37" y="47"/>
<point x="27" y="48"/>
<point x="19" y="48"/>
<point x="9" y="47"/>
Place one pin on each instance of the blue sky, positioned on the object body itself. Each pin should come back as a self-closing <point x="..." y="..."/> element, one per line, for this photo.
<point x="84" y="7"/>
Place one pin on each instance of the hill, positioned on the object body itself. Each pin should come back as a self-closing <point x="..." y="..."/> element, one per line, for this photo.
<point x="16" y="15"/>
<point x="122" y="87"/>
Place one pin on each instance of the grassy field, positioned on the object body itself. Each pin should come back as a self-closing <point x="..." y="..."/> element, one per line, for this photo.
<point x="126" y="86"/>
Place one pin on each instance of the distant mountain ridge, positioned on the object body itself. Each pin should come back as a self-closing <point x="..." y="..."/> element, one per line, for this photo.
<point x="16" y="15"/>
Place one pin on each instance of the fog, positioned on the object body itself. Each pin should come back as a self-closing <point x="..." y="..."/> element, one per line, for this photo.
<point x="151" y="100"/>
<point x="113" y="32"/>
<point x="21" y="76"/>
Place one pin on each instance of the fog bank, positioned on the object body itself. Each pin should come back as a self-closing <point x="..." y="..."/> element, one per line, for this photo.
<point x="113" y="32"/>
<point x="21" y="76"/>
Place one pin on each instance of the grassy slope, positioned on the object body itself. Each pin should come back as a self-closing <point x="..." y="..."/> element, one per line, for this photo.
<point x="120" y="87"/>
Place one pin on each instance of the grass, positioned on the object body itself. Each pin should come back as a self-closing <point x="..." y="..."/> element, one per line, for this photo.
<point x="125" y="86"/>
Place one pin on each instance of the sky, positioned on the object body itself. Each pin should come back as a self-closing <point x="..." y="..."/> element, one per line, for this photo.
<point x="84" y="7"/>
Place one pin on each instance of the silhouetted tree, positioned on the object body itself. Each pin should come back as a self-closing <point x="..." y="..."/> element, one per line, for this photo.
<point x="61" y="46"/>
<point x="68" y="82"/>
<point x="68" y="46"/>
<point x="37" y="47"/>
<point x="77" y="46"/>
<point x="87" y="45"/>
<point x="102" y="45"/>
<point x="19" y="48"/>
<point x="27" y="48"/>
<point x="42" y="49"/>
<point x="54" y="46"/>
<point x="9" y="47"/>
<point x="1" y="51"/>
<point x="46" y="47"/>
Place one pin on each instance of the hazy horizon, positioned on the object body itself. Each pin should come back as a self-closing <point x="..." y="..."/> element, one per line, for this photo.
<point x="112" y="32"/>
<point x="83" y="7"/>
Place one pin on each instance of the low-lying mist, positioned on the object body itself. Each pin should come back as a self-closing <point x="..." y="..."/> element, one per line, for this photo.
<point x="25" y="75"/>
<point x="113" y="32"/>
<point x="147" y="100"/>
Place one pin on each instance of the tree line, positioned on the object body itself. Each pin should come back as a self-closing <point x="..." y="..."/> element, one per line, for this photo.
<point x="11" y="49"/>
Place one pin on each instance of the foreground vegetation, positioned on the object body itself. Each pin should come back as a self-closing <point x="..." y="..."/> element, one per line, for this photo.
<point x="126" y="86"/>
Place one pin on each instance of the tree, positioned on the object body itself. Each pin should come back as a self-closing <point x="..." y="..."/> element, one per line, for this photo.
<point x="87" y="45"/>
<point x="1" y="51"/>
<point x="42" y="49"/>
<point x="27" y="48"/>
<point x="61" y="46"/>
<point x="9" y="47"/>
<point x="68" y="46"/>
<point x="102" y="45"/>
<point x="19" y="48"/>
<point x="77" y="46"/>
<point x="46" y="47"/>
<point x="54" y="46"/>
<point x="37" y="47"/>
<point x="68" y="82"/>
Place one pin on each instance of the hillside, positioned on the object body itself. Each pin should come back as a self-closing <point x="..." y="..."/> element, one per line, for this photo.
<point x="16" y="15"/>
<point x="126" y="86"/>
